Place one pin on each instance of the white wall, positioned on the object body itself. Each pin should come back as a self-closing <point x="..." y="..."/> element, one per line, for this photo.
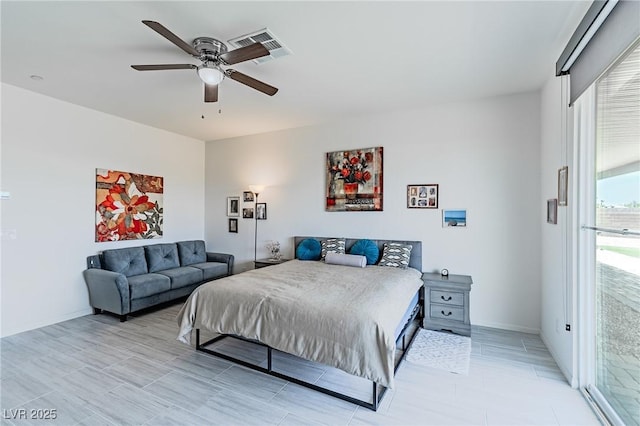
<point x="557" y="294"/>
<point x="50" y="150"/>
<point x="485" y="155"/>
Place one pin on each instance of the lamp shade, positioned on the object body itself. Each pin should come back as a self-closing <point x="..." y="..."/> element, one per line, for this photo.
<point x="256" y="189"/>
<point x="211" y="76"/>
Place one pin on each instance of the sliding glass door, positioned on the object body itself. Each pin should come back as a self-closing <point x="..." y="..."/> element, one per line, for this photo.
<point x="617" y="241"/>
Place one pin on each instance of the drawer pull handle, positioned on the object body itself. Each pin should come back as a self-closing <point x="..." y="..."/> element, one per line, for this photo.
<point x="446" y="315"/>
<point x="447" y="299"/>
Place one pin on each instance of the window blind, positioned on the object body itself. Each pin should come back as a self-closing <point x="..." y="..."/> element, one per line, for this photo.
<point x="620" y="29"/>
<point x="618" y="118"/>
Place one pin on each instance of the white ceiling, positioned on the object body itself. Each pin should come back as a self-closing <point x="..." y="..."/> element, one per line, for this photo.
<point x="349" y="58"/>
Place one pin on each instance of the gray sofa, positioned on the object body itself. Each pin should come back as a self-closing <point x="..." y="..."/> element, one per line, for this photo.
<point x="122" y="281"/>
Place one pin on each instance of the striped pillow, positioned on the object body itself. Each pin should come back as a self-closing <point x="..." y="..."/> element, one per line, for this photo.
<point x="396" y="255"/>
<point x="333" y="245"/>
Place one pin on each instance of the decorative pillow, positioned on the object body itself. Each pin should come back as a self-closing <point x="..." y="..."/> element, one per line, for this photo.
<point x="396" y="255"/>
<point x="308" y="249"/>
<point x="345" y="259"/>
<point x="368" y="249"/>
<point x="335" y="245"/>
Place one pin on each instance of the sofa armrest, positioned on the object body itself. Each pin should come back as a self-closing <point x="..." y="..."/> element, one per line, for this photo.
<point x="108" y="290"/>
<point x="222" y="258"/>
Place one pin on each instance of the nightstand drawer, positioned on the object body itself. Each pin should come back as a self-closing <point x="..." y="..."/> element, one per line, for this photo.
<point x="447" y="312"/>
<point x="447" y="297"/>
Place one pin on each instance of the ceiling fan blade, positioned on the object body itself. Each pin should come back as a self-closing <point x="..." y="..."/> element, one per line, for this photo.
<point x="163" y="67"/>
<point x="255" y="50"/>
<point x="251" y="82"/>
<point x="164" y="32"/>
<point x="211" y="93"/>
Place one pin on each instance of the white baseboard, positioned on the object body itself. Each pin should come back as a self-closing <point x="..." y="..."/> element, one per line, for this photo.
<point x="563" y="368"/>
<point x="45" y="322"/>
<point x="510" y="327"/>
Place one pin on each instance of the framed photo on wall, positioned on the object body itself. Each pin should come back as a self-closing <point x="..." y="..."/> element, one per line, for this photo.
<point x="454" y="218"/>
<point x="563" y="181"/>
<point x="247" y="197"/>
<point x="233" y="225"/>
<point x="261" y="211"/>
<point x="552" y="211"/>
<point x="423" y="196"/>
<point x="247" y="213"/>
<point x="233" y="206"/>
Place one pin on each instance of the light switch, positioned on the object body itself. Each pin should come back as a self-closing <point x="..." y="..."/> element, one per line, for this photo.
<point x="9" y="234"/>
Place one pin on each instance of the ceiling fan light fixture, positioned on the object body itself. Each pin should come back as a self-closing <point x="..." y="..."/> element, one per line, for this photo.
<point x="210" y="75"/>
<point x="213" y="54"/>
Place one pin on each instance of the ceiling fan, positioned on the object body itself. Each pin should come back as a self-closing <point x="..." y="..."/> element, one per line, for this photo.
<point x="213" y="54"/>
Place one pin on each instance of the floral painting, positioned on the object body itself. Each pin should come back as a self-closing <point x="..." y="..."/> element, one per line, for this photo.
<point x="354" y="180"/>
<point x="128" y="206"/>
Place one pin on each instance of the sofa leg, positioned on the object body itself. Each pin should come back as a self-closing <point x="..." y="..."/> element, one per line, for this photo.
<point x="123" y="318"/>
<point x="97" y="311"/>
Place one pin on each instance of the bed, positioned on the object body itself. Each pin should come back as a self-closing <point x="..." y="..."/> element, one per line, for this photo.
<point x="345" y="317"/>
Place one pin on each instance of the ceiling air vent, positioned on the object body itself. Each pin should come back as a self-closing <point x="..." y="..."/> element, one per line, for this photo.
<point x="268" y="40"/>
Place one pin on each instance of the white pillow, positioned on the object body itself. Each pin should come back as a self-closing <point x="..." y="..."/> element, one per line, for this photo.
<point x="346" y="259"/>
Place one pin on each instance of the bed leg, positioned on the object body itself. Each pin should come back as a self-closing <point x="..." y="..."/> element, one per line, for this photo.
<point x="375" y="396"/>
<point x="269" y="358"/>
<point x="197" y="338"/>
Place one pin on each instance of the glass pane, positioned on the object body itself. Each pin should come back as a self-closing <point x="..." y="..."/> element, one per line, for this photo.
<point x="618" y="256"/>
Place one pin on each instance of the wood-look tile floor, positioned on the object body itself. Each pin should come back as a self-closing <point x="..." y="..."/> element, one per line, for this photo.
<point x="95" y="370"/>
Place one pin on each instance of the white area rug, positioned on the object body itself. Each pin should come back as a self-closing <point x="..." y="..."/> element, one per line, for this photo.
<point x="440" y="350"/>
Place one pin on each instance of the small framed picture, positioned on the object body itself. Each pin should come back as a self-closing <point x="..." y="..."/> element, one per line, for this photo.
<point x="552" y="211"/>
<point x="233" y="206"/>
<point x="247" y="197"/>
<point x="261" y="211"/>
<point x="247" y="213"/>
<point x="454" y="218"/>
<point x="563" y="181"/>
<point x="422" y="196"/>
<point x="233" y="225"/>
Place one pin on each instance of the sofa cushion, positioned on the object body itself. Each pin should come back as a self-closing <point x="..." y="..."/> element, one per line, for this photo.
<point x="212" y="270"/>
<point x="162" y="256"/>
<point x="127" y="261"/>
<point x="148" y="284"/>
<point x="185" y="275"/>
<point x="191" y="252"/>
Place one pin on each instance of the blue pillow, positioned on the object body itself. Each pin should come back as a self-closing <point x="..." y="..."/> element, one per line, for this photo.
<point x="368" y="249"/>
<point x="308" y="249"/>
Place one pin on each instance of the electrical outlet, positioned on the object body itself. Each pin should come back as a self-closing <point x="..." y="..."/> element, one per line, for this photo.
<point x="567" y="327"/>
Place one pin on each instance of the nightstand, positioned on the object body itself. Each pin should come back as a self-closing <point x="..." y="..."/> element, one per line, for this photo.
<point x="263" y="263"/>
<point x="447" y="303"/>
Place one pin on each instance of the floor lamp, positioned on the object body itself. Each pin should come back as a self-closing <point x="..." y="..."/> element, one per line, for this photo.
<point x="256" y="189"/>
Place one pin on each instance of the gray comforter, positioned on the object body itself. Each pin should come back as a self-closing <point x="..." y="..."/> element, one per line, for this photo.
<point x="341" y="316"/>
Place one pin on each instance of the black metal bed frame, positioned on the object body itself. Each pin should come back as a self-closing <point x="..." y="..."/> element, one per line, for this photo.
<point x="416" y="315"/>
